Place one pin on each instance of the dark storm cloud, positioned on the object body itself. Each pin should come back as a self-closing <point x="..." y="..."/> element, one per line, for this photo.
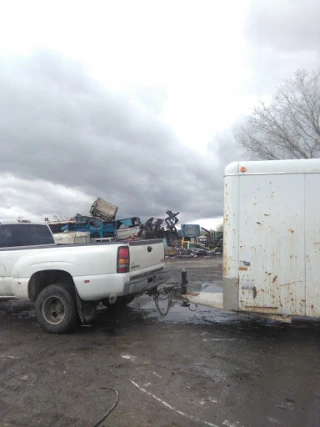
<point x="225" y="148"/>
<point x="62" y="134"/>
<point x="37" y="199"/>
<point x="283" y="36"/>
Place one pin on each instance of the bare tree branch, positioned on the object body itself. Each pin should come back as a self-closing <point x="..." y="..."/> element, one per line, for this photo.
<point x="288" y="127"/>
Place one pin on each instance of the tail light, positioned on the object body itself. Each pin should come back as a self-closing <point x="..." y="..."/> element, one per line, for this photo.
<point x="123" y="259"/>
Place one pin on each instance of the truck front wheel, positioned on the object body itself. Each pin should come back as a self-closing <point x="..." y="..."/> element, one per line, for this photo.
<point x="56" y="309"/>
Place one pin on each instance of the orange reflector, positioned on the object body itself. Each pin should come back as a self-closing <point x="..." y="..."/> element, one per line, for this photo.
<point x="243" y="169"/>
<point x="243" y="268"/>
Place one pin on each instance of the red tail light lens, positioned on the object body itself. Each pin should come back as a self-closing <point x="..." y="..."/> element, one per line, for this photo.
<point x="123" y="259"/>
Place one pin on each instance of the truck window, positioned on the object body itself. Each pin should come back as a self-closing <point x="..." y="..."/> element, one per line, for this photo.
<point x="12" y="235"/>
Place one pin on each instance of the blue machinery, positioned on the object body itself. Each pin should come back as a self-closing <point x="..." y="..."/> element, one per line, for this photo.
<point x="98" y="227"/>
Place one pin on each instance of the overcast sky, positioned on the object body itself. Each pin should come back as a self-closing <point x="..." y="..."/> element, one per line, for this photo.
<point x="136" y="101"/>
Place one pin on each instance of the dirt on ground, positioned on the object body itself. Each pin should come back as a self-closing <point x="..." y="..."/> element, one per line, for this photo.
<point x="190" y="368"/>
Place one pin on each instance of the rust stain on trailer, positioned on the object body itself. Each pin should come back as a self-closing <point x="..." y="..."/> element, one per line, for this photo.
<point x="274" y="279"/>
<point x="291" y="283"/>
<point x="260" y="309"/>
<point x="226" y="264"/>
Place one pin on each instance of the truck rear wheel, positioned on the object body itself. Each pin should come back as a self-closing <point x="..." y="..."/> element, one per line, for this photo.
<point x="56" y="309"/>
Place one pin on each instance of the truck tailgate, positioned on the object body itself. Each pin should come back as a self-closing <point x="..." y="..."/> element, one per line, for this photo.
<point x="146" y="256"/>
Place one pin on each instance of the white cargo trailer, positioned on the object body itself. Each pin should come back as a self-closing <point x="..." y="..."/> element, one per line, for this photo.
<point x="271" y="256"/>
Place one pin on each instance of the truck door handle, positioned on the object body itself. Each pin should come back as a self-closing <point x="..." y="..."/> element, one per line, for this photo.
<point x="149" y="248"/>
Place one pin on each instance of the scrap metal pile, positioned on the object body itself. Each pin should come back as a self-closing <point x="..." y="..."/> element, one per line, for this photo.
<point x="102" y="224"/>
<point x="194" y="250"/>
<point x="161" y="228"/>
<point x="193" y="245"/>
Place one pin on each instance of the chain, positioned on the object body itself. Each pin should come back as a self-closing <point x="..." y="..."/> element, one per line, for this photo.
<point x="194" y="309"/>
<point x="169" y="296"/>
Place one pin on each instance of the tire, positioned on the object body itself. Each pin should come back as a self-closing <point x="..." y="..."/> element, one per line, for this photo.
<point x="56" y="309"/>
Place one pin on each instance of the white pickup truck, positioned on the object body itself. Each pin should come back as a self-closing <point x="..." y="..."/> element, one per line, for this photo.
<point x="68" y="282"/>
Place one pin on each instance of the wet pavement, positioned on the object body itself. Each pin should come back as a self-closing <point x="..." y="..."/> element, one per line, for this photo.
<point x="190" y="368"/>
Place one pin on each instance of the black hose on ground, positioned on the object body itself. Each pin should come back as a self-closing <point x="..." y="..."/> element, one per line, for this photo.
<point x="111" y="409"/>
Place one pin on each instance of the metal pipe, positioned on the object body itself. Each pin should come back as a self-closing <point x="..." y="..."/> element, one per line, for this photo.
<point x="184" y="281"/>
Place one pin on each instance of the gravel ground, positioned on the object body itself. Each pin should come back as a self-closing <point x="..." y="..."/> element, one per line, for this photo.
<point x="206" y="367"/>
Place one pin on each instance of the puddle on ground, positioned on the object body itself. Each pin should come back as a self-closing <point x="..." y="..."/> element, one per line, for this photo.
<point x="209" y="287"/>
<point x="143" y="309"/>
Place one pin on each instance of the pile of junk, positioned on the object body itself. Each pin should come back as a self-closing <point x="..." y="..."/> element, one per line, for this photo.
<point x="103" y="225"/>
<point x="196" y="241"/>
